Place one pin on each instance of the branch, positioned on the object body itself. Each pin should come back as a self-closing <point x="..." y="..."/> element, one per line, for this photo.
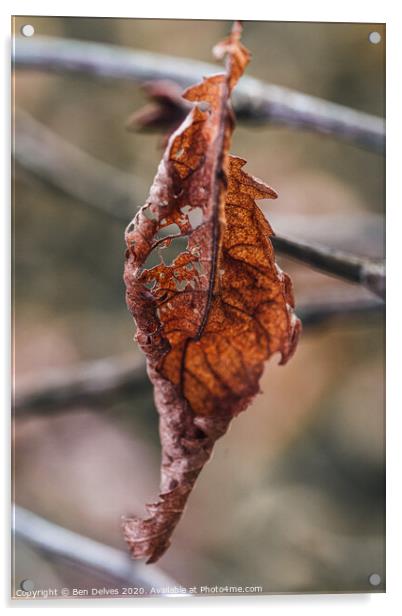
<point x="94" y="382"/>
<point x="367" y="272"/>
<point x="253" y="100"/>
<point x="98" y="382"/>
<point x="68" y="168"/>
<point x="42" y="152"/>
<point x="61" y="544"/>
<point x="317" y="313"/>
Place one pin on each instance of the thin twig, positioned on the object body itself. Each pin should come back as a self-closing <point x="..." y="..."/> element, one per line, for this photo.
<point x="253" y="100"/>
<point x="61" y="544"/>
<point x="98" y="382"/>
<point x="78" y="174"/>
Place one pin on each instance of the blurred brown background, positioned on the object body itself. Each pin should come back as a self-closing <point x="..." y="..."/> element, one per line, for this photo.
<point x="293" y="498"/>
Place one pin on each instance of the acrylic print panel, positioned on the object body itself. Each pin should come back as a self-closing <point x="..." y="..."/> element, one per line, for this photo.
<point x="292" y="497"/>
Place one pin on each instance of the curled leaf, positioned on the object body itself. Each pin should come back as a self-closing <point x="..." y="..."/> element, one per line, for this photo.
<point x="165" y="111"/>
<point x="208" y="321"/>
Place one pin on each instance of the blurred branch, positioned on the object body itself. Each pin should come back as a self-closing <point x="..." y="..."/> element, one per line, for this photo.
<point x="88" y="382"/>
<point x="61" y="544"/>
<point x="253" y="100"/>
<point x="69" y="169"/>
<point x="97" y="382"/>
<point x="42" y="152"/>
<point x="364" y="271"/>
<point x="364" y="233"/>
<point x="319" y="313"/>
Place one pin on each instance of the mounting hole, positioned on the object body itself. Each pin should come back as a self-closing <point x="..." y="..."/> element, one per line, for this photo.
<point x="375" y="579"/>
<point x="27" y="30"/>
<point x="27" y="585"/>
<point x="374" y="38"/>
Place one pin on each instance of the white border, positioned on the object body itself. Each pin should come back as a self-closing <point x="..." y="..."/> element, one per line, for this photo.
<point x="340" y="11"/>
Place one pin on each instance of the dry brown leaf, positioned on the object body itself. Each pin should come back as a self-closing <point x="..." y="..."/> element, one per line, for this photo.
<point x="208" y="321"/>
<point x="164" y="112"/>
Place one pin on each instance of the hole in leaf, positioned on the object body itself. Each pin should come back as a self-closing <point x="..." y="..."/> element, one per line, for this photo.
<point x="181" y="284"/>
<point x="203" y="106"/>
<point x="199" y="267"/>
<point x="152" y="259"/>
<point x="172" y="229"/>
<point x="195" y="216"/>
<point x="149" y="213"/>
<point x="175" y="248"/>
<point x="150" y="284"/>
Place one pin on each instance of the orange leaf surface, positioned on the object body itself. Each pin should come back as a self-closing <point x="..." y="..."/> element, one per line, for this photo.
<point x="208" y="321"/>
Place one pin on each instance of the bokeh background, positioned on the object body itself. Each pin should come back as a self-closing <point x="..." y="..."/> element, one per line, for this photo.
<point x="293" y="498"/>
